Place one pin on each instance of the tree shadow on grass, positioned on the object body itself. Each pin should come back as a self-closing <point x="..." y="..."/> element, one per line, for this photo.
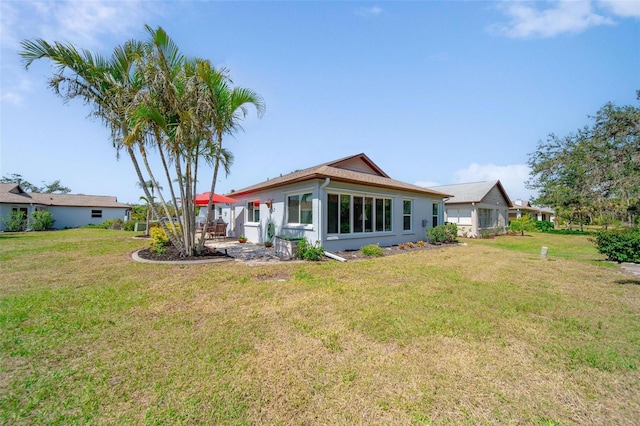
<point x="628" y="281"/>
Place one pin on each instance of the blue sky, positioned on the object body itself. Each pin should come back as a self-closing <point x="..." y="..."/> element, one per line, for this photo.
<point x="433" y="92"/>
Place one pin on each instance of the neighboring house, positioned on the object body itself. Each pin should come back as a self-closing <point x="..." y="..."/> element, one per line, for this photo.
<point x="538" y="213"/>
<point x="477" y="207"/>
<point x="68" y="210"/>
<point x="341" y="205"/>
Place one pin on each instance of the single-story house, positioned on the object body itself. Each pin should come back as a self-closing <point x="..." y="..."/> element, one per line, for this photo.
<point x="477" y="207"/>
<point x="537" y="213"/>
<point x="341" y="205"/>
<point x="68" y="210"/>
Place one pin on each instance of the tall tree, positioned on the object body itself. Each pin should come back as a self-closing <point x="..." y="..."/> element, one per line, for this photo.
<point x="154" y="100"/>
<point x="593" y="174"/>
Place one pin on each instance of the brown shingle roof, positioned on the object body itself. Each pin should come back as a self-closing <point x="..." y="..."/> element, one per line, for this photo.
<point x="335" y="172"/>
<point x="13" y="194"/>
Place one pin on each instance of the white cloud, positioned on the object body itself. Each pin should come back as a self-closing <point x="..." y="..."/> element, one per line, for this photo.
<point x="370" y="11"/>
<point x="511" y="176"/>
<point x="622" y="8"/>
<point x="83" y="22"/>
<point x="564" y="16"/>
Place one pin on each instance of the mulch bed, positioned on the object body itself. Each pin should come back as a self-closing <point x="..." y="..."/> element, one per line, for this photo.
<point x="172" y="254"/>
<point x="352" y="255"/>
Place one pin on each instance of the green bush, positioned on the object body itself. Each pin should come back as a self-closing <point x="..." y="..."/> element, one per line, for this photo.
<point x="447" y="233"/>
<point x="308" y="251"/>
<point x="544" y="225"/>
<point x="40" y="220"/>
<point x="129" y="225"/>
<point x="159" y="240"/>
<point x="372" y="250"/>
<point x="619" y="245"/>
<point x="15" y="221"/>
<point x="523" y="224"/>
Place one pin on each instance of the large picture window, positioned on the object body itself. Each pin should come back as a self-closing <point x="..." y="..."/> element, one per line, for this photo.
<point x="348" y="214"/>
<point x="485" y="219"/>
<point x="253" y="211"/>
<point x="407" y="208"/>
<point x="300" y="209"/>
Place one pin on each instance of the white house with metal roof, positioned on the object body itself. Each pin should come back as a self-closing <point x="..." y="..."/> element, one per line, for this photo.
<point x="341" y="205"/>
<point x="477" y="207"/>
<point x="68" y="210"/>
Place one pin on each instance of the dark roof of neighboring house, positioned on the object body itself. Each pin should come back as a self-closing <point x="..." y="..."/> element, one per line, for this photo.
<point x="339" y="171"/>
<point x="11" y="193"/>
<point x="474" y="192"/>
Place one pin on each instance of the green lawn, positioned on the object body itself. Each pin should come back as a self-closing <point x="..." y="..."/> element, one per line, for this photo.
<point x="485" y="333"/>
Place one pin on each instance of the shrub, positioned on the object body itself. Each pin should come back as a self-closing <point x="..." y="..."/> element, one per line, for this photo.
<point x="544" y="225"/>
<point x="619" y="245"/>
<point x="447" y="233"/>
<point x="308" y="251"/>
<point x="523" y="224"/>
<point x="15" y="221"/>
<point x="129" y="225"/>
<point x="372" y="250"/>
<point x="159" y="240"/>
<point x="40" y="220"/>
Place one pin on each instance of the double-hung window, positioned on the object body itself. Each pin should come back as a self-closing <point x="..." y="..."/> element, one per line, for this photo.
<point x="300" y="209"/>
<point x="407" y="209"/>
<point x="435" y="215"/>
<point x="253" y="211"/>
<point x="96" y="213"/>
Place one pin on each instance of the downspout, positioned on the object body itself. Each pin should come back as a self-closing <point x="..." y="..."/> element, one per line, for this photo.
<point x="323" y="186"/>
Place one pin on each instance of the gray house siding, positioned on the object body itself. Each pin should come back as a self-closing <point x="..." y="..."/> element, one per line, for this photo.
<point x="317" y="230"/>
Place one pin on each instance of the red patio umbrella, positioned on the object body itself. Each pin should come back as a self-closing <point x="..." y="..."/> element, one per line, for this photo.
<point x="203" y="199"/>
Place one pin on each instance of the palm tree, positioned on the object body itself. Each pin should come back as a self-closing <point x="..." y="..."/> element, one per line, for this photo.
<point x="109" y="86"/>
<point x="228" y="106"/>
<point x="150" y="96"/>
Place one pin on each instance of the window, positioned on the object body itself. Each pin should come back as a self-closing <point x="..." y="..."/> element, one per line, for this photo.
<point x="435" y="215"/>
<point x="253" y="211"/>
<point x="300" y="209"/>
<point x="406" y="215"/>
<point x="485" y="219"/>
<point x="96" y="213"/>
<point x="348" y="214"/>
<point x="23" y="210"/>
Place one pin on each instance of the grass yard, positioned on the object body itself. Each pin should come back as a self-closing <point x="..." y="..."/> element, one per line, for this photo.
<point x="486" y="333"/>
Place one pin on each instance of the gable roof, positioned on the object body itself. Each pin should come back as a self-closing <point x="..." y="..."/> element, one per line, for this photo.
<point x="11" y="193"/>
<point x="356" y="169"/>
<point x="474" y="192"/>
<point x="526" y="205"/>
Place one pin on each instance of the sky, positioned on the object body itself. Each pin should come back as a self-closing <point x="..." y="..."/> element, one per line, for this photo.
<point x="433" y="92"/>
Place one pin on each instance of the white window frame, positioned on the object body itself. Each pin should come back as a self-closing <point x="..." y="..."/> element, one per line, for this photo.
<point x="374" y="213"/>
<point x="298" y="220"/>
<point x="252" y="209"/>
<point x="409" y="215"/>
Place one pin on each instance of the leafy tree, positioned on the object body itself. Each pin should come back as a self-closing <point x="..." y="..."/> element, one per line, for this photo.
<point x="154" y="100"/>
<point x="16" y="178"/>
<point x="48" y="188"/>
<point x="54" y="188"/>
<point x="593" y="175"/>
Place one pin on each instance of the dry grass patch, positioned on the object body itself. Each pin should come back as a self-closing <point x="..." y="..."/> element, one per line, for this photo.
<point x="485" y="333"/>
